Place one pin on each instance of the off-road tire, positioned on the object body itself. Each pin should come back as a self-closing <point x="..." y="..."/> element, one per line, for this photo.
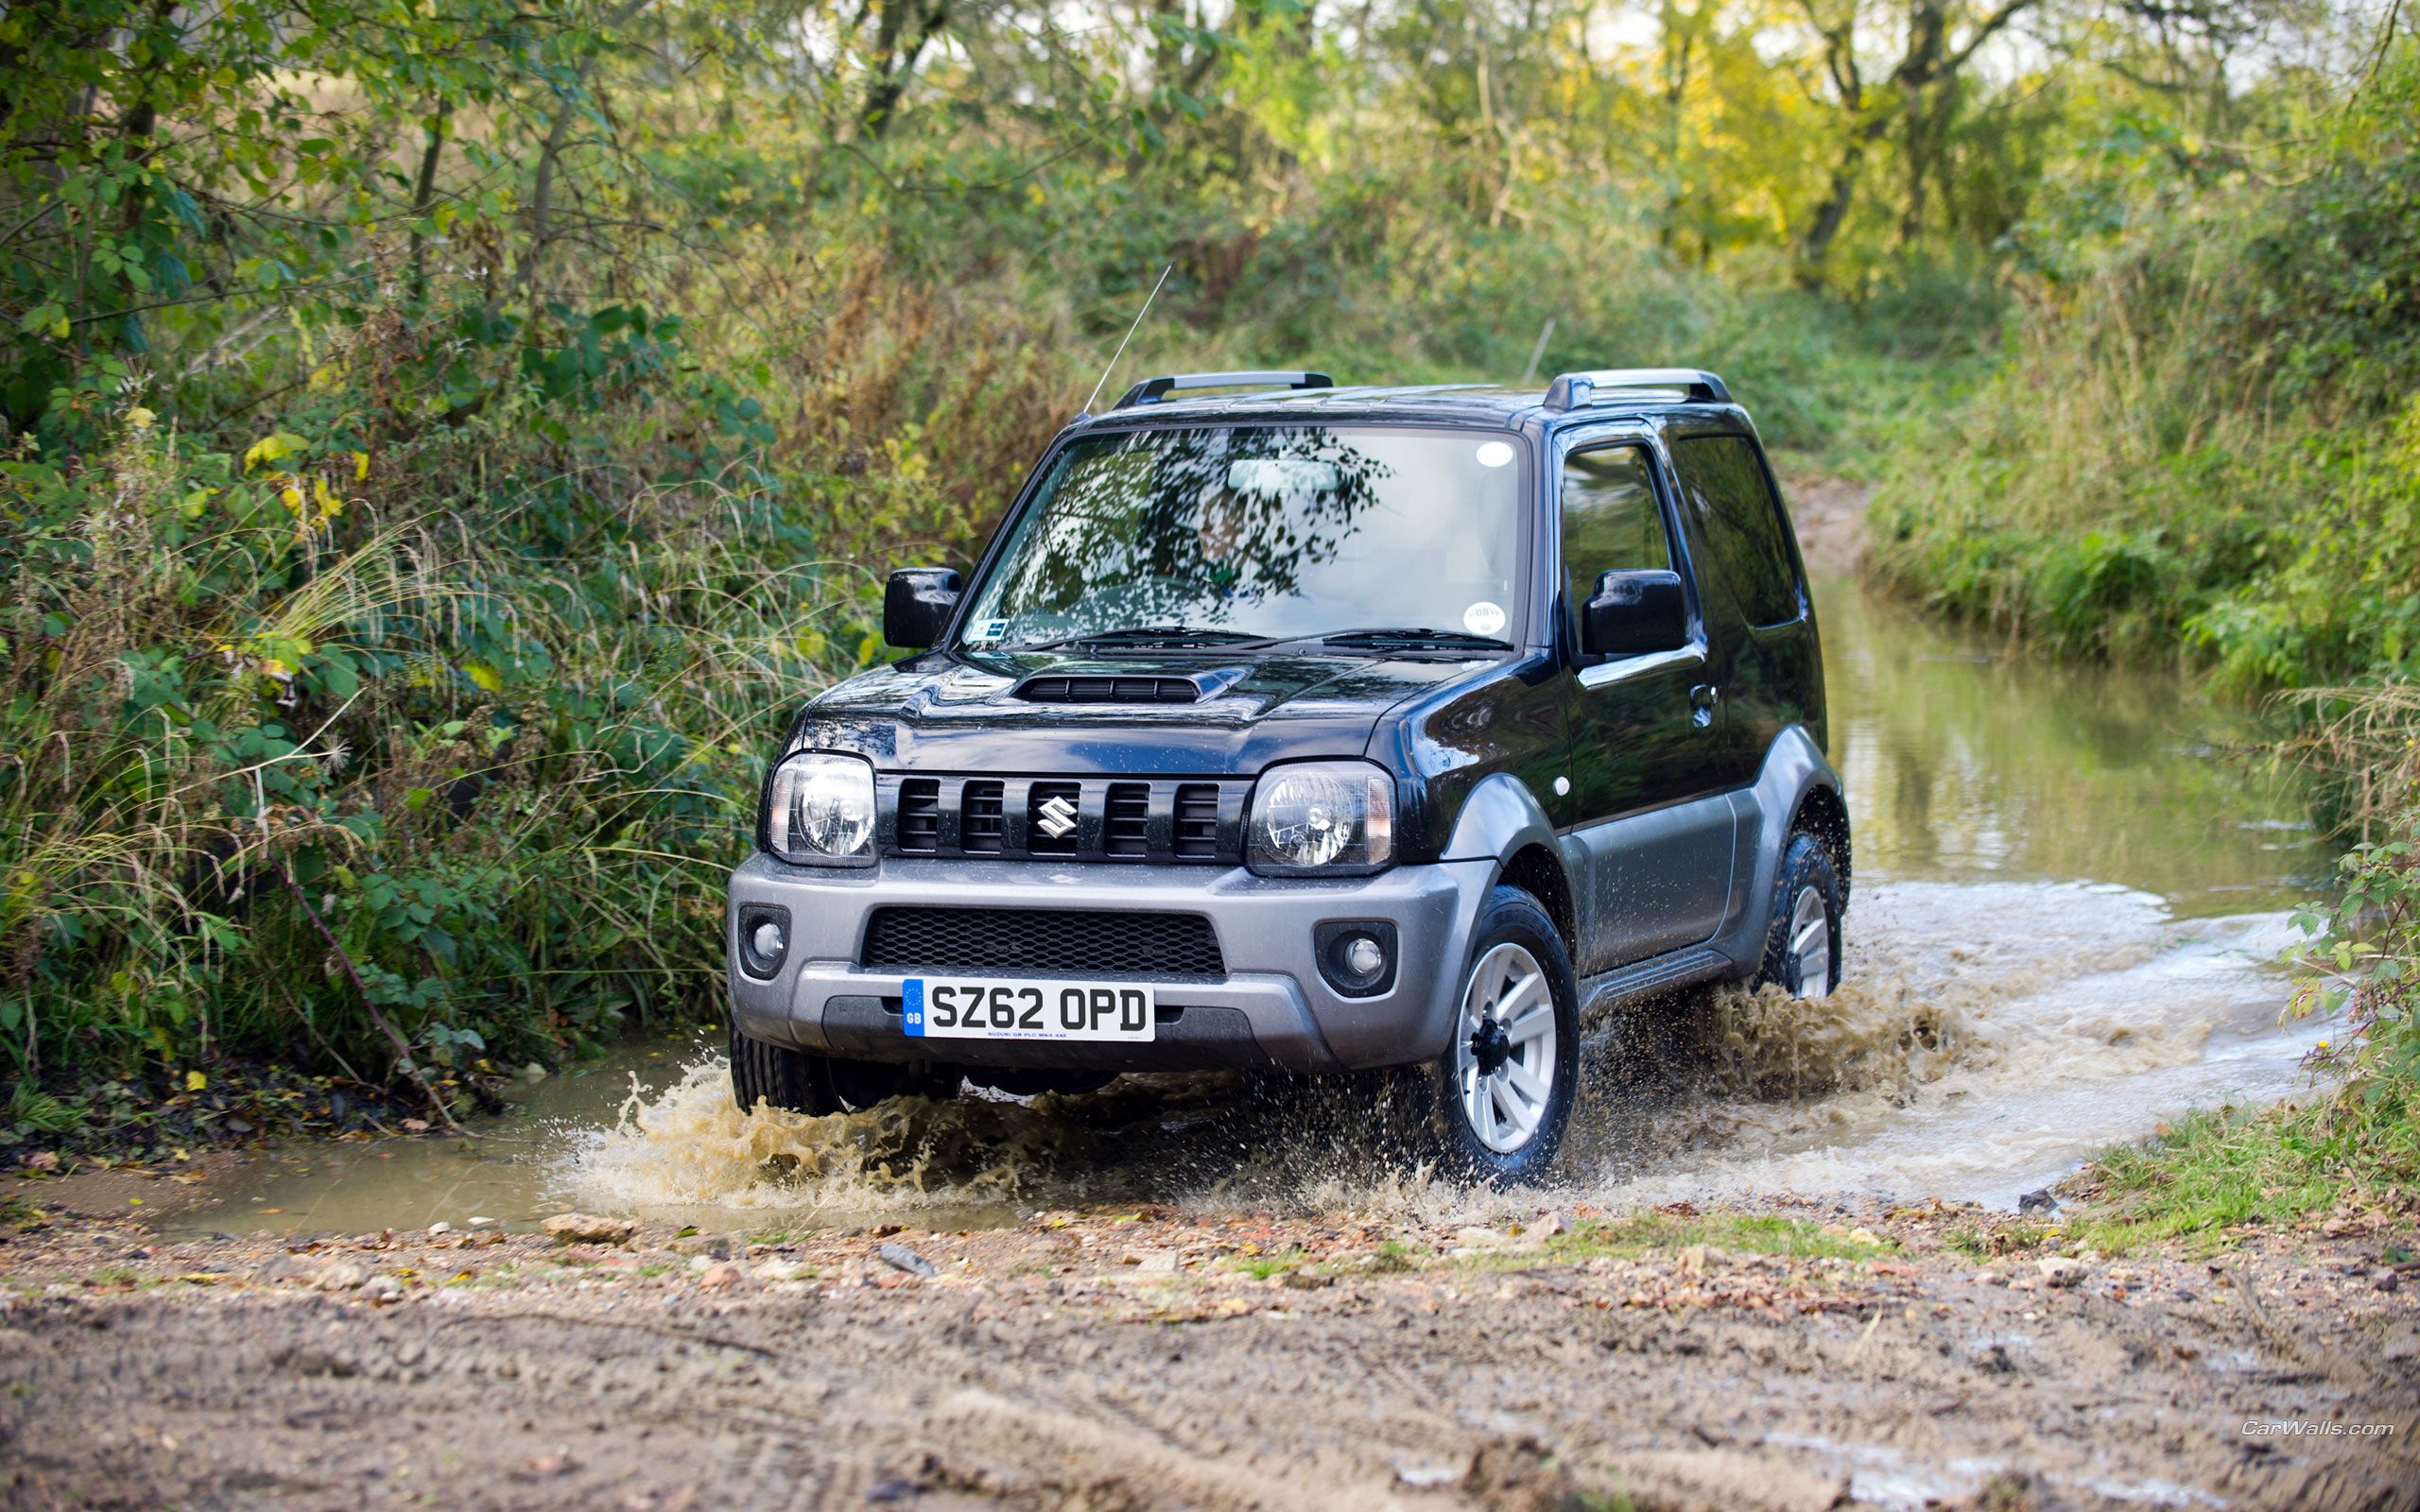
<point x="1431" y="1095"/>
<point x="1807" y="864"/>
<point x="795" y="1081"/>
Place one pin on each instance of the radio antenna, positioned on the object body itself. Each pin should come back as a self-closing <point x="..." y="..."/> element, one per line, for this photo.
<point x="1129" y="335"/>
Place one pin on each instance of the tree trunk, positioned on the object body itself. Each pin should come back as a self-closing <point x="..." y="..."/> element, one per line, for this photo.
<point x="424" y="190"/>
<point x="894" y="69"/>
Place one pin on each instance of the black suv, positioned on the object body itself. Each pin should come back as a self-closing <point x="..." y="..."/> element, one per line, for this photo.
<point x="1312" y="730"/>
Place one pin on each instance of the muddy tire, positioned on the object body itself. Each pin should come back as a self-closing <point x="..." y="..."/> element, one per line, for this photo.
<point x="1803" y="936"/>
<point x="793" y="1080"/>
<point x="1493" y="1106"/>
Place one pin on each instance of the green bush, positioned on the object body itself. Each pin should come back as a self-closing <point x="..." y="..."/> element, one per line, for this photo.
<point x="2204" y="444"/>
<point x="309" y="754"/>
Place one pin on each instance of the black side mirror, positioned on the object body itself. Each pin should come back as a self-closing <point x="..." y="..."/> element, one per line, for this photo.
<point x="1634" y="612"/>
<point x="917" y="603"/>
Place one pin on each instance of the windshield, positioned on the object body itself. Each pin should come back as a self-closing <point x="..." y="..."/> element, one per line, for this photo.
<point x="1224" y="534"/>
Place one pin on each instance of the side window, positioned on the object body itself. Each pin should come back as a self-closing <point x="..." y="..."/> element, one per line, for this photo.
<point x="1610" y="519"/>
<point x="1732" y="511"/>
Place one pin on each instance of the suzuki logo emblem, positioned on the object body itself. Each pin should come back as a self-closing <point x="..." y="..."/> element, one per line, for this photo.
<point x="1056" y="817"/>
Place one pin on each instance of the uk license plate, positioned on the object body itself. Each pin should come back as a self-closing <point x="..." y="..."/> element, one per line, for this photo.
<point x="962" y="1007"/>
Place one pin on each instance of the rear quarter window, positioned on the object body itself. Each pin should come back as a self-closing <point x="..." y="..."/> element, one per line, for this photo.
<point x="1733" y="518"/>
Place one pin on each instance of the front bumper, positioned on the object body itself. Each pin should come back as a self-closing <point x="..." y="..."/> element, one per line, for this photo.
<point x="1272" y="1009"/>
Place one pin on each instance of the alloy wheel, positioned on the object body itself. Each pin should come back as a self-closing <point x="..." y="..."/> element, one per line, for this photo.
<point x="1504" y="1055"/>
<point x="1810" y="946"/>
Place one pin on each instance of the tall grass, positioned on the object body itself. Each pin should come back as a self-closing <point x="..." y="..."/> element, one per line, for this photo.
<point x="315" y="760"/>
<point x="2204" y="443"/>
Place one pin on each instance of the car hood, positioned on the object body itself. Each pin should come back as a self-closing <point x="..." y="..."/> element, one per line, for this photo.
<point x="965" y="712"/>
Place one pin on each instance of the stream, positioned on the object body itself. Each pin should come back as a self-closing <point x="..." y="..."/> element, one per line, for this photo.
<point x="2069" y="902"/>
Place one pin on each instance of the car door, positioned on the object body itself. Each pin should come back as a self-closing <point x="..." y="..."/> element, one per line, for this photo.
<point x="1645" y="808"/>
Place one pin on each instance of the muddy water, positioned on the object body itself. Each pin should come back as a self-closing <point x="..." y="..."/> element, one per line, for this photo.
<point x="2068" y="901"/>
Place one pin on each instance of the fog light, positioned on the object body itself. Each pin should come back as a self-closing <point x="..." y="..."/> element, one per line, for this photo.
<point x="1356" y="956"/>
<point x="763" y="938"/>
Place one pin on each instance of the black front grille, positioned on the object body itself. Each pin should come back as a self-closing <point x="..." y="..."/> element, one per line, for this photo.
<point x="920" y="816"/>
<point x="1126" y="828"/>
<point x="1096" y="819"/>
<point x="982" y="822"/>
<point x="1197" y="822"/>
<point x="1075" y="942"/>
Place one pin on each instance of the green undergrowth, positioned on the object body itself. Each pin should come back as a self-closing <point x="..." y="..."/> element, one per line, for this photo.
<point x="313" y="758"/>
<point x="2218" y="1175"/>
<point x="2204" y="444"/>
<point x="1992" y="1239"/>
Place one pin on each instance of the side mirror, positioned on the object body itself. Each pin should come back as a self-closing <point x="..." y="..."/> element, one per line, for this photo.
<point x="1634" y="612"/>
<point x="916" y="606"/>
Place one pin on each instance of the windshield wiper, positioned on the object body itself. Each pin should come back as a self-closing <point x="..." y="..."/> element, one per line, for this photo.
<point x="1148" y="635"/>
<point x="1385" y="635"/>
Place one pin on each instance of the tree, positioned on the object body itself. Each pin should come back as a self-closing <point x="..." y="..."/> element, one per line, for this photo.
<point x="1938" y="38"/>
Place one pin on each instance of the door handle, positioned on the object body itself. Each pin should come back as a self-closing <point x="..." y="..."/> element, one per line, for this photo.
<point x="1702" y="702"/>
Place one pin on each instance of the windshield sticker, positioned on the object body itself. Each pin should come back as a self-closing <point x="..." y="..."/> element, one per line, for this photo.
<point x="984" y="632"/>
<point x="1483" y="618"/>
<point x="1493" y="454"/>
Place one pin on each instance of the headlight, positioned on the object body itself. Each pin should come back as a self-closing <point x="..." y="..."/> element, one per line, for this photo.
<point x="1323" y="817"/>
<point x="820" y="808"/>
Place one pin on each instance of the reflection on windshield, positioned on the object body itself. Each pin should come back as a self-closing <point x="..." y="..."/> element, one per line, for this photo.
<point x="1275" y="531"/>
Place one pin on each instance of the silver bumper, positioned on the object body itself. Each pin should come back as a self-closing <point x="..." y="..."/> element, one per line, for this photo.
<point x="1273" y="1007"/>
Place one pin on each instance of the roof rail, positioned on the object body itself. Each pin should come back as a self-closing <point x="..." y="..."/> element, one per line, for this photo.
<point x="1152" y="390"/>
<point x="1577" y="390"/>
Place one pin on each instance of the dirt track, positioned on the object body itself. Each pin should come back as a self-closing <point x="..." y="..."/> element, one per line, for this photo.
<point x="1113" y="1362"/>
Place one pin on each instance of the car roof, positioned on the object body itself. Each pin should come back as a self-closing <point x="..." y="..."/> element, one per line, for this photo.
<point x="1491" y="405"/>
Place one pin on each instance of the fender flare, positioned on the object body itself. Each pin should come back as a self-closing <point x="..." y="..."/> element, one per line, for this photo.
<point x="1762" y="813"/>
<point x="1498" y="820"/>
<point x="1502" y="823"/>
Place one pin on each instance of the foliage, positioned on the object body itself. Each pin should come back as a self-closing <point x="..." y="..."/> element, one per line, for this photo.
<point x="298" y="761"/>
<point x="2205" y="443"/>
<point x="2364" y="961"/>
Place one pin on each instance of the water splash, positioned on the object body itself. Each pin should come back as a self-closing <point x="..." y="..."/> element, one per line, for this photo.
<point x="690" y="1147"/>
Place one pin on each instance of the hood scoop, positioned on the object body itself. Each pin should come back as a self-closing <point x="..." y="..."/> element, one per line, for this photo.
<point x="1117" y="688"/>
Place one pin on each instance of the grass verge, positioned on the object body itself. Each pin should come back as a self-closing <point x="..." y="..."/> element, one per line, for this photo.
<point x="2218" y="1177"/>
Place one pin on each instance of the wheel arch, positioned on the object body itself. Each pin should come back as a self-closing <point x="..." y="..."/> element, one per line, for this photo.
<point x="1795" y="790"/>
<point x="1502" y="821"/>
<point x="1538" y="871"/>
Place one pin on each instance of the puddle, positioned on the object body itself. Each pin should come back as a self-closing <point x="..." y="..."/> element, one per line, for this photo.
<point x="1982" y="1072"/>
<point x="2069" y="904"/>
